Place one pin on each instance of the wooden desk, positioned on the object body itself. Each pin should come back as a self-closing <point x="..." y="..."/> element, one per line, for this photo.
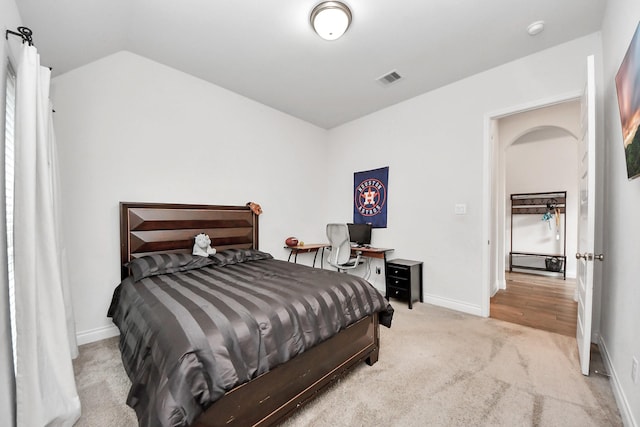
<point x="309" y="247"/>
<point x="371" y="252"/>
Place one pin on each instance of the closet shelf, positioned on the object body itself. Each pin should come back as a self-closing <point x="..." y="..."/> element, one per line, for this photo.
<point x="537" y="254"/>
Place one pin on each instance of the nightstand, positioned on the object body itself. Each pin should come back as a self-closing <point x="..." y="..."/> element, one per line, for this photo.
<point x="404" y="280"/>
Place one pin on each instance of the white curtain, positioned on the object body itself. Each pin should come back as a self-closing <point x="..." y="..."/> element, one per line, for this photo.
<point x="45" y="385"/>
<point x="7" y="380"/>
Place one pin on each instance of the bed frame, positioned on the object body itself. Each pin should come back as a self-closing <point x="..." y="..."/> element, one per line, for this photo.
<point x="147" y="228"/>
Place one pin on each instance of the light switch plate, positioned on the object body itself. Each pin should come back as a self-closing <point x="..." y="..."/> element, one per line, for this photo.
<point x="460" y="209"/>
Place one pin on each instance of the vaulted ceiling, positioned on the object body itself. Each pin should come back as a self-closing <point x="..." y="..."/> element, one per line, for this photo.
<point x="267" y="50"/>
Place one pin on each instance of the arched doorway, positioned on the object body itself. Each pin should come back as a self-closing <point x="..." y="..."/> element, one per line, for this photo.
<point x="536" y="152"/>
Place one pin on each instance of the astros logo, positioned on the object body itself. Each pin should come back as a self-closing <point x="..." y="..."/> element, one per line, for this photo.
<point x="370" y="196"/>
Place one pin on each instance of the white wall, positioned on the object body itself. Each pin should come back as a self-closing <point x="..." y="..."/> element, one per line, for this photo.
<point x="129" y="129"/>
<point x="545" y="161"/>
<point x="433" y="145"/>
<point x="621" y="270"/>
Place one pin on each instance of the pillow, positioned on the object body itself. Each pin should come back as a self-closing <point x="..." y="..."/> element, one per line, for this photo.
<point x="235" y="256"/>
<point x="152" y="265"/>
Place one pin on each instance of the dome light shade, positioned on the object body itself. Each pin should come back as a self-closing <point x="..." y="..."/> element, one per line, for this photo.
<point x="330" y="19"/>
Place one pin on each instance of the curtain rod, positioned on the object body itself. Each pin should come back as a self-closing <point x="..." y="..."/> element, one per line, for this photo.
<point x="26" y="35"/>
<point x="23" y="32"/>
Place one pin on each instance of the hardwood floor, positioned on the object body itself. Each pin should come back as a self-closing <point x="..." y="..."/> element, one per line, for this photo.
<point x="537" y="301"/>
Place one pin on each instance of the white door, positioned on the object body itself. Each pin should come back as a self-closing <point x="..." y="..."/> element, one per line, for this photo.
<point x="586" y="220"/>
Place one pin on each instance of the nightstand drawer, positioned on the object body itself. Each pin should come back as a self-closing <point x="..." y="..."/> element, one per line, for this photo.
<point x="402" y="294"/>
<point x="399" y="271"/>
<point x="397" y="282"/>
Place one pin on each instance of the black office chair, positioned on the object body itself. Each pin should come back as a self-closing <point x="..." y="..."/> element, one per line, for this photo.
<point x="340" y="250"/>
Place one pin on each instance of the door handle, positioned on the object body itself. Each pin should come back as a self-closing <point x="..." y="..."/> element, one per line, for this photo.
<point x="589" y="257"/>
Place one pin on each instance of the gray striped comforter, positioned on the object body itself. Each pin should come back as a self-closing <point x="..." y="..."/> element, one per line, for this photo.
<point x="188" y="337"/>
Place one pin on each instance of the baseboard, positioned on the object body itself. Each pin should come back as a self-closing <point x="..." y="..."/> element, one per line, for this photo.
<point x="618" y="392"/>
<point x="496" y="286"/>
<point x="97" y="334"/>
<point x="453" y="304"/>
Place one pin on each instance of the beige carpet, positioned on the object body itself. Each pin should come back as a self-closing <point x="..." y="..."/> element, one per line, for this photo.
<point x="437" y="367"/>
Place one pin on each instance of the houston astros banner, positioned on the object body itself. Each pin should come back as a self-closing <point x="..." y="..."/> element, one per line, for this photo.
<point x="370" y="197"/>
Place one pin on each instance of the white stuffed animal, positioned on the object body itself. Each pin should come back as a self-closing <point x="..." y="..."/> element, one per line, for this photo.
<point x="202" y="247"/>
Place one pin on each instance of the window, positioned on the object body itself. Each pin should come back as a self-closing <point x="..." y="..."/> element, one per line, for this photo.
<point x="10" y="104"/>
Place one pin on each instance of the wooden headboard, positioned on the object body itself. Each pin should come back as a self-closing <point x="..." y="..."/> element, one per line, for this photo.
<point x="148" y="228"/>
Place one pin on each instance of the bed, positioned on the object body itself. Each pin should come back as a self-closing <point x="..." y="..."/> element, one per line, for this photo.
<point x="178" y="380"/>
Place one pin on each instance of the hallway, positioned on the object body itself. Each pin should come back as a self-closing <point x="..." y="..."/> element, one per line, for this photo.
<point x="537" y="301"/>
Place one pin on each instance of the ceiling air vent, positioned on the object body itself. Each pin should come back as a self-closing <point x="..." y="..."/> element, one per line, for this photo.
<point x="389" y="78"/>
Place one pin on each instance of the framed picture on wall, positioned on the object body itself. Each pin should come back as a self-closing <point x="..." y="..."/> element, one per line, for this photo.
<point x="370" y="197"/>
<point x="628" y="90"/>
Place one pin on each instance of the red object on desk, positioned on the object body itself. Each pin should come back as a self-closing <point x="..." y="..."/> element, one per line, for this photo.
<point x="291" y="242"/>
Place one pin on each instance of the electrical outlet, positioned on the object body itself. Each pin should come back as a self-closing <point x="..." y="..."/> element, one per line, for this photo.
<point x="377" y="270"/>
<point x="635" y="374"/>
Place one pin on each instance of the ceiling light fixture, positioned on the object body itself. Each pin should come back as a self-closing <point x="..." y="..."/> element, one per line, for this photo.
<point x="330" y="19"/>
<point x="535" y="28"/>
